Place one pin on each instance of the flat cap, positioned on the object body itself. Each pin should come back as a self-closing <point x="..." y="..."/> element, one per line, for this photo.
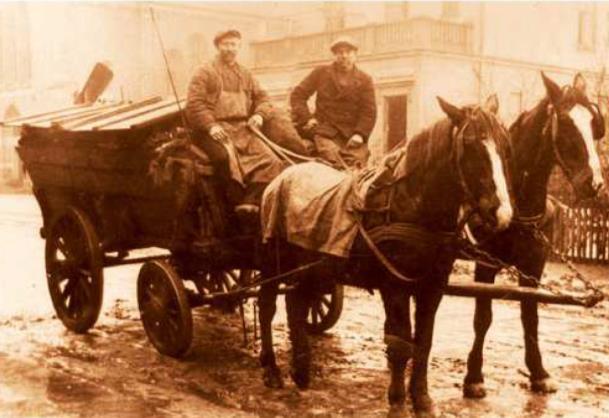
<point x="343" y="41"/>
<point x="229" y="33"/>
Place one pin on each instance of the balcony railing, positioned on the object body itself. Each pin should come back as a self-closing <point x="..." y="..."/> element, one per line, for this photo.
<point x="421" y="33"/>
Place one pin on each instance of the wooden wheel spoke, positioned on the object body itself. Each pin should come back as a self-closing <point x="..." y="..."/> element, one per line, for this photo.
<point x="63" y="248"/>
<point x="325" y="311"/>
<point x="314" y="315"/>
<point x="233" y="276"/>
<point x="68" y="291"/>
<point x="155" y="302"/>
<point x="86" y="287"/>
<point x="61" y="270"/>
<point x="73" y="303"/>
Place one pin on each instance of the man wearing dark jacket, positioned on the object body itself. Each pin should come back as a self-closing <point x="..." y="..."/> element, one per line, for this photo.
<point x="345" y="109"/>
<point x="223" y="99"/>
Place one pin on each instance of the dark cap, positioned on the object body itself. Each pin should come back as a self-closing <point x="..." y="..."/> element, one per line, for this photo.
<point x="343" y="41"/>
<point x="230" y="33"/>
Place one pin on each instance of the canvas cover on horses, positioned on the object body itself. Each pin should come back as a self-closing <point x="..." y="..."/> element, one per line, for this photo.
<point x="315" y="207"/>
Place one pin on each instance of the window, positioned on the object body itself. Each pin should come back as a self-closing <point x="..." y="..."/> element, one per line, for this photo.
<point x="450" y="9"/>
<point x="586" y="32"/>
<point x="395" y="125"/>
<point x="395" y="11"/>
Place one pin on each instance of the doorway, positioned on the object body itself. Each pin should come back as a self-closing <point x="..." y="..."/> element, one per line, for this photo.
<point x="395" y="120"/>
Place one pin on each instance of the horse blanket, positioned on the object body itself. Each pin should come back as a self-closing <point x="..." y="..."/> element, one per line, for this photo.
<point x="316" y="207"/>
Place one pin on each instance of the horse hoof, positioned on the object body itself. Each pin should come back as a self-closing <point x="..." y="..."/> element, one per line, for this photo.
<point x="396" y="395"/>
<point x="543" y="386"/>
<point x="301" y="378"/>
<point x="423" y="406"/>
<point x="425" y="413"/>
<point x="272" y="379"/>
<point x="397" y="411"/>
<point x="474" y="390"/>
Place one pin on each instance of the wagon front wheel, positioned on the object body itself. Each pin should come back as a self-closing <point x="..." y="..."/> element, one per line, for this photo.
<point x="164" y="308"/>
<point x="325" y="311"/>
<point x="74" y="270"/>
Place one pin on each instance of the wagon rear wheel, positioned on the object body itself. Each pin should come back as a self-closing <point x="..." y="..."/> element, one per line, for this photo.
<point x="325" y="311"/>
<point x="222" y="281"/>
<point x="164" y="308"/>
<point x="74" y="270"/>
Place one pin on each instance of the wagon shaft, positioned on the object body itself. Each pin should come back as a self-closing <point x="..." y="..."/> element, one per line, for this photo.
<point x="520" y="293"/>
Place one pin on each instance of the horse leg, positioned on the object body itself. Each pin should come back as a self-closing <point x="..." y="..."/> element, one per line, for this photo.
<point x="297" y="305"/>
<point x="398" y="339"/>
<point x="540" y="378"/>
<point x="533" y="257"/>
<point x="427" y="302"/>
<point x="473" y="386"/>
<point x="267" y="301"/>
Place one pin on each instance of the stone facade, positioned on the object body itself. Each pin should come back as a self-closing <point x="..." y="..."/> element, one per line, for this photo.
<point x="460" y="51"/>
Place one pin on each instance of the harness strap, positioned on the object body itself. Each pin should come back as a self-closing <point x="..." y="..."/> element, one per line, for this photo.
<point x="380" y="256"/>
<point x="401" y="231"/>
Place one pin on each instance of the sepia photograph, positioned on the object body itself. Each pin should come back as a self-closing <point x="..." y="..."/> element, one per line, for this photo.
<point x="304" y="209"/>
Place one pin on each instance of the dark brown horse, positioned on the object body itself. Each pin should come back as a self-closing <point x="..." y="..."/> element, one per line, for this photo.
<point x="454" y="162"/>
<point x="561" y="130"/>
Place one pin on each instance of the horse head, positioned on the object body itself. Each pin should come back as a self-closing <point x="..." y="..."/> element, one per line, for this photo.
<point x="479" y="142"/>
<point x="574" y="125"/>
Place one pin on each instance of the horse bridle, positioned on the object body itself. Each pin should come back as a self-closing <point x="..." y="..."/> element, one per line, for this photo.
<point x="552" y="125"/>
<point x="458" y="147"/>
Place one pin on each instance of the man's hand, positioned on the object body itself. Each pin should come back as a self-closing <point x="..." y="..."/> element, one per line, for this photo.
<point x="355" y="141"/>
<point x="218" y="133"/>
<point x="311" y="124"/>
<point x="255" y="121"/>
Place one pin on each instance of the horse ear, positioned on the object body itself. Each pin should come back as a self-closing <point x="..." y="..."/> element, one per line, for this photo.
<point x="492" y="104"/>
<point x="554" y="92"/>
<point x="579" y="83"/>
<point x="453" y="112"/>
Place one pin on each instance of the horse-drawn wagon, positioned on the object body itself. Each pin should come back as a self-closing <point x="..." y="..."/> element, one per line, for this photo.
<point x="113" y="178"/>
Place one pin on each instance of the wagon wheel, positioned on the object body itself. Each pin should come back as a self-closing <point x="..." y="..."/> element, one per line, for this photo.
<point x="325" y="311"/>
<point x="221" y="281"/>
<point x="74" y="270"/>
<point x="164" y="308"/>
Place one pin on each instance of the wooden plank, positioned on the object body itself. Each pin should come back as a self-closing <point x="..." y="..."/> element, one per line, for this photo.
<point x="105" y="115"/>
<point x="46" y="122"/>
<point x="21" y="119"/>
<point x="92" y="112"/>
<point x="143" y="118"/>
<point x="125" y="116"/>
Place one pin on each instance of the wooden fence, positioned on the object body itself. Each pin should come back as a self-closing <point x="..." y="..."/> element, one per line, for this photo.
<point x="582" y="233"/>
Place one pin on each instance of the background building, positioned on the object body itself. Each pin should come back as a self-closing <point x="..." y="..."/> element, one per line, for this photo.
<point x="48" y="49"/>
<point x="414" y="51"/>
<point x="460" y="51"/>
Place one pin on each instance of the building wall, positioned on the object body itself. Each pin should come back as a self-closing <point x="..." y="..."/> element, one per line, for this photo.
<point x="507" y="47"/>
<point x="48" y="49"/>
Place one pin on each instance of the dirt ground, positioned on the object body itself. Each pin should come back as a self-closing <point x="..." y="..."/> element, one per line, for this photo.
<point x="46" y="371"/>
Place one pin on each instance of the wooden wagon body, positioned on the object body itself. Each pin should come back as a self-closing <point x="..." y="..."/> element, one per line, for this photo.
<point x="112" y="178"/>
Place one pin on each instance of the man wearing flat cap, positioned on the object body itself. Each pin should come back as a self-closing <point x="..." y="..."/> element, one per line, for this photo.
<point x="223" y="99"/>
<point x="345" y="107"/>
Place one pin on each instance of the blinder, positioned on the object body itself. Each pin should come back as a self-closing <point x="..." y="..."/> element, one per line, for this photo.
<point x="598" y="122"/>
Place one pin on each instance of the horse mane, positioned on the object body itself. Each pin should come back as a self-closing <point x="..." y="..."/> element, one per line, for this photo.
<point x="424" y="152"/>
<point x="530" y="117"/>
